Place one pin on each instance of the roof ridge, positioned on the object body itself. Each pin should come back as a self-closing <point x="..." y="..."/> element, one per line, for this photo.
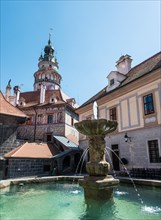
<point x="155" y="55"/>
<point x="22" y="146"/>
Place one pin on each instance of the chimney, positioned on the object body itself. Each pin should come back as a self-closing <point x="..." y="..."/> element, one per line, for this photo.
<point x="123" y="65"/>
<point x="8" y="90"/>
<point x="42" y="93"/>
<point x="16" y="90"/>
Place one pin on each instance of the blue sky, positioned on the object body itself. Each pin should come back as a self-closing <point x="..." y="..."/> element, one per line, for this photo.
<point x="88" y="37"/>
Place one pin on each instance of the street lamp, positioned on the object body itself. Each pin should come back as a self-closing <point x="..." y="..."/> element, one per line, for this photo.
<point x="127" y="138"/>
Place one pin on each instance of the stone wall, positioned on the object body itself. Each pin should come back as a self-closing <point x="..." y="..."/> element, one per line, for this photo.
<point x="27" y="167"/>
<point x="8" y="133"/>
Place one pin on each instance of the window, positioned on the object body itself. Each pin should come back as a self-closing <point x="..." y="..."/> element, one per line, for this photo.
<point x="111" y="82"/>
<point x="153" y="151"/>
<point x="50" y="119"/>
<point x="148" y="104"/>
<point x="72" y="121"/>
<point x="113" y="116"/>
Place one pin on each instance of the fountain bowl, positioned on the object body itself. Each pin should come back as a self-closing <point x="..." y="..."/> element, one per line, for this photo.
<point x="96" y="127"/>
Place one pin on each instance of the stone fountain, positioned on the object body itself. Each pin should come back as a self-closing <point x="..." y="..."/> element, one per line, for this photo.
<point x="98" y="185"/>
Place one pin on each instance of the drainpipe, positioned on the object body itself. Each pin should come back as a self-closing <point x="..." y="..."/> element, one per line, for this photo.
<point x="35" y="124"/>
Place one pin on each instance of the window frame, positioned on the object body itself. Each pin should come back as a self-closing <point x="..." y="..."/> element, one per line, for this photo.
<point x="147" y="104"/>
<point x="150" y="156"/>
<point x="112" y="82"/>
<point x="113" y="115"/>
<point x="48" y="121"/>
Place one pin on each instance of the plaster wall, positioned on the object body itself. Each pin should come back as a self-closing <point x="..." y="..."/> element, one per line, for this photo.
<point x="71" y="131"/>
<point x="136" y="151"/>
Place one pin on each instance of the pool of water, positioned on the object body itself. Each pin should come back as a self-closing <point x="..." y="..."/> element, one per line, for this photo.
<point x="65" y="201"/>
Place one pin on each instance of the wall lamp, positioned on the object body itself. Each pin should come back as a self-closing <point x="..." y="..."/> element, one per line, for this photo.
<point x="127" y="138"/>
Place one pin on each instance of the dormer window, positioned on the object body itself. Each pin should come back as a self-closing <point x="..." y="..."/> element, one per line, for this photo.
<point x="112" y="82"/>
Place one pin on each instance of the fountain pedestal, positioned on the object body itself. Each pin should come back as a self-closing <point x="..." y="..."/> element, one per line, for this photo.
<point x="97" y="188"/>
<point x="98" y="185"/>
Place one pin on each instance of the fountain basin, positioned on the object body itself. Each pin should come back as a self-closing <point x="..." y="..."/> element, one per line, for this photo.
<point x="96" y="127"/>
<point x="57" y="200"/>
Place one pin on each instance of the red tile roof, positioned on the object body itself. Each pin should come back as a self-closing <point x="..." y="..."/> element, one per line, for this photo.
<point x="33" y="150"/>
<point x="33" y="98"/>
<point x="7" y="109"/>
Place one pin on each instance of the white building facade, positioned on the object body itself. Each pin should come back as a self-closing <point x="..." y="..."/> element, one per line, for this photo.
<point x="133" y="99"/>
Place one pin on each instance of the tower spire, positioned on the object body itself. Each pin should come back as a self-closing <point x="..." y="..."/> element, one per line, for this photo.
<point x="48" y="69"/>
<point x="49" y="41"/>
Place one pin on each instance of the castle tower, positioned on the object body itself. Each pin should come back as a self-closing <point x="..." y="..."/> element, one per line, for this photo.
<point x="47" y="73"/>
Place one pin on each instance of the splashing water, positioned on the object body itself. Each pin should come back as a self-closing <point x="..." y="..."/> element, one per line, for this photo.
<point x="75" y="191"/>
<point x="82" y="157"/>
<point x="139" y="197"/>
<point x="120" y="193"/>
<point x="151" y="209"/>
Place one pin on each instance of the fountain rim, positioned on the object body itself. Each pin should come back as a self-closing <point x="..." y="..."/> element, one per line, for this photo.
<point x="28" y="180"/>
